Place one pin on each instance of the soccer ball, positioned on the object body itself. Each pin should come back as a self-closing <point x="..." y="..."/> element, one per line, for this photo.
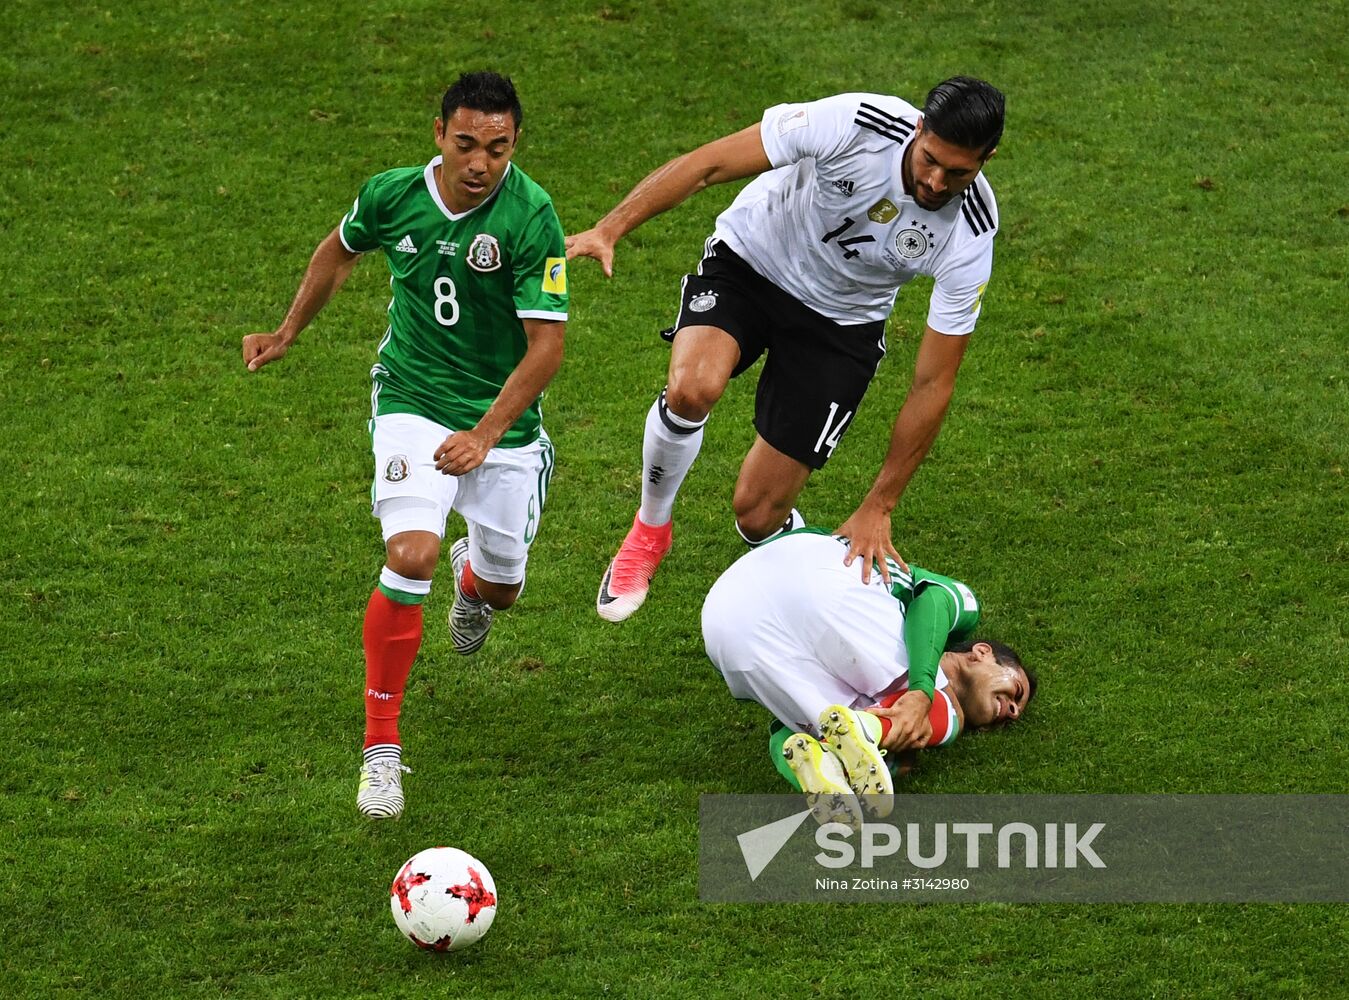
<point x="443" y="899"/>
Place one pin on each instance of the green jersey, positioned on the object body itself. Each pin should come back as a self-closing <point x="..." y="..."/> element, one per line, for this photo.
<point x="462" y="285"/>
<point x="937" y="611"/>
<point x="963" y="610"/>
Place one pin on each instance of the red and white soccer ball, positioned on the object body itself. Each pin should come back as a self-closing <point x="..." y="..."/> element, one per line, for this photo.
<point x="443" y="899"/>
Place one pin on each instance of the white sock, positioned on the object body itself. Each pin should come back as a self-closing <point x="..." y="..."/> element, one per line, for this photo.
<point x="383" y="751"/>
<point x="669" y="447"/>
<point x="794" y="521"/>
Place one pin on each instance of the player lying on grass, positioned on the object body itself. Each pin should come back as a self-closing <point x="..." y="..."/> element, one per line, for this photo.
<point x="857" y="673"/>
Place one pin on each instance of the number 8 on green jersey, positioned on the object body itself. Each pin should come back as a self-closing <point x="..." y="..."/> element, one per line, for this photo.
<point x="462" y="284"/>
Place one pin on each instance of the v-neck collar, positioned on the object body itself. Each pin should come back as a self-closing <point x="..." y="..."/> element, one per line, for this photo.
<point x="430" y="175"/>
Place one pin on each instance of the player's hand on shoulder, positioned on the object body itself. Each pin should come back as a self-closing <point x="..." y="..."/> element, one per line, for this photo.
<point x="592" y="243"/>
<point x="262" y="348"/>
<point x="910" y="727"/>
<point x="461" y="452"/>
<point x="868" y="535"/>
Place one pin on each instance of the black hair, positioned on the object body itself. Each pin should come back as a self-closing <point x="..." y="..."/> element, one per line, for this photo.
<point x="482" y="91"/>
<point x="1005" y="655"/>
<point x="966" y="112"/>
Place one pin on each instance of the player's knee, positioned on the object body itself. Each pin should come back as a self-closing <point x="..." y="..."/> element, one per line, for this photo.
<point x="413" y="554"/>
<point x="692" y="394"/>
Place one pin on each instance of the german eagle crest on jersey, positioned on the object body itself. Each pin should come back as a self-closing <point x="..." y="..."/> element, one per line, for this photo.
<point x="484" y="253"/>
<point x="914" y="241"/>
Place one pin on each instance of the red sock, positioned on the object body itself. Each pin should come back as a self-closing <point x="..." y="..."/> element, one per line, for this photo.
<point x="392" y="636"/>
<point x="468" y="586"/>
<point x="887" y="724"/>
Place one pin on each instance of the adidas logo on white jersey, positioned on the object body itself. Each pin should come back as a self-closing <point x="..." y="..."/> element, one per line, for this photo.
<point x="406" y="245"/>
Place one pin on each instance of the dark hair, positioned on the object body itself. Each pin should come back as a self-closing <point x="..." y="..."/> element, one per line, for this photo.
<point x="1005" y="655"/>
<point x="482" y="91"/>
<point x="966" y="112"/>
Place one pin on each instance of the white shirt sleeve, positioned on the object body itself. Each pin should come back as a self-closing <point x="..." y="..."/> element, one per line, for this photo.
<point x="818" y="129"/>
<point x="958" y="292"/>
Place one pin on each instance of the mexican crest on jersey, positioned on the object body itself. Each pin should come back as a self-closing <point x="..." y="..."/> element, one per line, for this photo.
<point x="397" y="469"/>
<point x="484" y="253"/>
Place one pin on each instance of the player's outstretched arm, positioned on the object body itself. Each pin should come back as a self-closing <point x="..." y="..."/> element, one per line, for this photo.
<point x="916" y="427"/>
<point x="464" y="451"/>
<point x="328" y="268"/>
<point x="730" y="158"/>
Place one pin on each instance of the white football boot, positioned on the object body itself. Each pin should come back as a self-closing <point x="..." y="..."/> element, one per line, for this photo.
<point x="470" y="619"/>
<point x="380" y="792"/>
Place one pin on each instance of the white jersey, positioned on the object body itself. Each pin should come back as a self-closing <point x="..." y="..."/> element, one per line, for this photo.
<point x="832" y="225"/>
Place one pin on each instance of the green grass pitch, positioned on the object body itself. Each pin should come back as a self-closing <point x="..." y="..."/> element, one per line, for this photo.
<point x="1143" y="475"/>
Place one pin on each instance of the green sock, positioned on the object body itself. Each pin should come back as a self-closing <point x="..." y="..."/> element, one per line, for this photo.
<point x="777" y="739"/>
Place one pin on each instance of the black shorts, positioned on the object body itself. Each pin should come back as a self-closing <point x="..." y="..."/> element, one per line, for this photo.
<point x="817" y="371"/>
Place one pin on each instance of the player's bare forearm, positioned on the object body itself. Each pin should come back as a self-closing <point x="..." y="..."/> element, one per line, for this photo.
<point x="730" y="158"/>
<point x="916" y="427"/>
<point x="920" y="418"/>
<point x="464" y="451"/>
<point x="328" y="268"/>
<point x="543" y="358"/>
<point x="659" y="191"/>
<point x="868" y="530"/>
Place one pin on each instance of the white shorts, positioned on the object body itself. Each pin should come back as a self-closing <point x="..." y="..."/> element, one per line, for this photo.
<point x="791" y="627"/>
<point x="501" y="500"/>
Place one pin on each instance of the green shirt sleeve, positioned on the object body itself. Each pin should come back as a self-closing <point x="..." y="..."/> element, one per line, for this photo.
<point x="966" y="606"/>
<point x="940" y="610"/>
<point x="539" y="264"/>
<point x="360" y="226"/>
<point x="927" y="624"/>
